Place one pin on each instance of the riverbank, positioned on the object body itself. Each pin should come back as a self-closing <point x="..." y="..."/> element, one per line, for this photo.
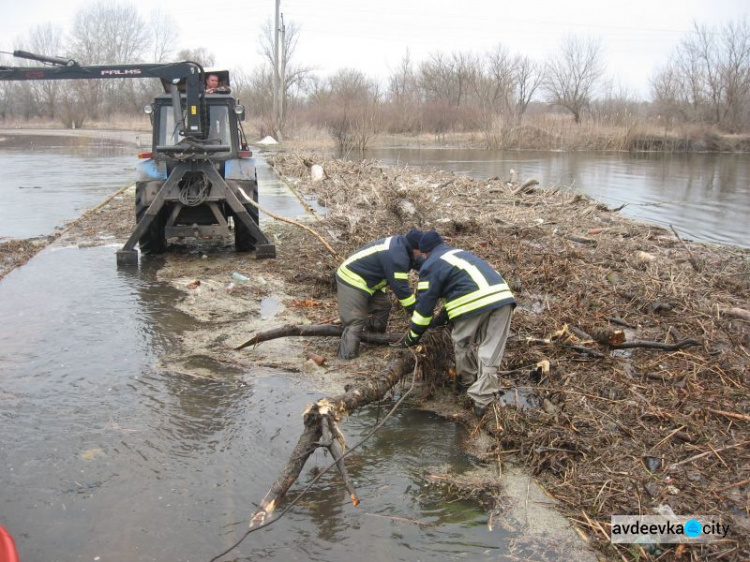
<point x="540" y="134"/>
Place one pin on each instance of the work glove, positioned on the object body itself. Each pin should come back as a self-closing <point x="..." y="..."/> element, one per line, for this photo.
<point x="410" y="341"/>
<point x="441" y="319"/>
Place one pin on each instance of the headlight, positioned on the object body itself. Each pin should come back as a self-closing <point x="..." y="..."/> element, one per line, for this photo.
<point x="239" y="110"/>
<point x="148" y="109"/>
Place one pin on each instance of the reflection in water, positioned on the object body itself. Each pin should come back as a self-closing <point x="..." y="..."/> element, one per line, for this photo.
<point x="705" y="196"/>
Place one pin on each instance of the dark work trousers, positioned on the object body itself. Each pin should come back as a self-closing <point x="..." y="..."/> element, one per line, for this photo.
<point x="479" y="343"/>
<point x="360" y="311"/>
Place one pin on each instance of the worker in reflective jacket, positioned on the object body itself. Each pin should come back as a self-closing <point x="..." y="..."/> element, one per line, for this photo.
<point x="478" y="303"/>
<point x="361" y="282"/>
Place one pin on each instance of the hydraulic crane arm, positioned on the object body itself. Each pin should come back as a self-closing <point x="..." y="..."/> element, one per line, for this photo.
<point x="190" y="74"/>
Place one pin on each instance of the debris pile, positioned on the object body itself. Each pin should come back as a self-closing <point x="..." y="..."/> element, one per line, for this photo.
<point x="628" y="367"/>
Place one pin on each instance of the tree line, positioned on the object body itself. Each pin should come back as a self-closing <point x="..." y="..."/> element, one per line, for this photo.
<point x="496" y="94"/>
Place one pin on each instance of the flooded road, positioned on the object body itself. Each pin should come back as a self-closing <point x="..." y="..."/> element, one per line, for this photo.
<point x="49" y="180"/>
<point x="108" y="454"/>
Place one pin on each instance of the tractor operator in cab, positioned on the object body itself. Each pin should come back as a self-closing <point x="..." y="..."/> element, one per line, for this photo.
<point x="361" y="282"/>
<point x="479" y="304"/>
<point x="213" y="85"/>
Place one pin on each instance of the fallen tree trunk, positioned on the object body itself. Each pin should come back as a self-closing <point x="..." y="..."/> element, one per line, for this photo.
<point x="321" y="430"/>
<point x="321" y="330"/>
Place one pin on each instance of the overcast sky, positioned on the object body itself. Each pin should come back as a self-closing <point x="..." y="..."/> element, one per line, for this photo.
<point x="373" y="36"/>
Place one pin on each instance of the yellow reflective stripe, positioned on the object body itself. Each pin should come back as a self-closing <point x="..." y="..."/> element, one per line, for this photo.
<point x="401" y="275"/>
<point x="472" y="270"/>
<point x="353" y="279"/>
<point x="420" y="320"/>
<point x="474" y="295"/>
<point x="413" y="334"/>
<point x="423" y="285"/>
<point x="408" y="301"/>
<point x="356" y="280"/>
<point x="369" y="251"/>
<point x="479" y="304"/>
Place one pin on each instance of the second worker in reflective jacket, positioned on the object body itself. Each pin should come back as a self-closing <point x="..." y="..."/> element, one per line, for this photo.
<point x="477" y="302"/>
<point x="361" y="282"/>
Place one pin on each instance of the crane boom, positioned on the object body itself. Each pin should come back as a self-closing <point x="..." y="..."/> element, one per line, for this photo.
<point x="185" y="75"/>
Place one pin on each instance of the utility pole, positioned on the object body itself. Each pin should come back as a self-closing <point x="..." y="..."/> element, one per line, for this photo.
<point x="276" y="77"/>
<point x="282" y="72"/>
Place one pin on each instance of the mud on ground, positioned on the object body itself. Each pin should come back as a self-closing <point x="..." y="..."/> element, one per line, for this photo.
<point x="608" y="424"/>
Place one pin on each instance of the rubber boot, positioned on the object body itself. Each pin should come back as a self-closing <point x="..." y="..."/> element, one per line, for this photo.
<point x="349" y="346"/>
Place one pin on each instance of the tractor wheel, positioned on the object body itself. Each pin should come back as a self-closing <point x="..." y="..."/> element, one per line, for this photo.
<point x="153" y="241"/>
<point x="244" y="241"/>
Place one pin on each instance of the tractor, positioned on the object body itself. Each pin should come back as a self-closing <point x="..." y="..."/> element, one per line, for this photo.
<point x="199" y="179"/>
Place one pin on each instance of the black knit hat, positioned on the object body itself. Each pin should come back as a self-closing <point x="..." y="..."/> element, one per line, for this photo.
<point x="429" y="241"/>
<point x="413" y="237"/>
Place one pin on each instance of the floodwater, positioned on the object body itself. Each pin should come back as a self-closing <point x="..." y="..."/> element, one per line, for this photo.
<point x="107" y="455"/>
<point x="706" y="197"/>
<point x="49" y="180"/>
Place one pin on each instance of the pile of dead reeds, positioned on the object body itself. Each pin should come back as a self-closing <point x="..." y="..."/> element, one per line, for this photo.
<point x="629" y="353"/>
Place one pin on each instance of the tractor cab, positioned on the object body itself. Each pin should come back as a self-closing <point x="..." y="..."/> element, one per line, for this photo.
<point x="223" y="137"/>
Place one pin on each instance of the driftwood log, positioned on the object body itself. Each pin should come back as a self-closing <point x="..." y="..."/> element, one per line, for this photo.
<point x="321" y="430"/>
<point x="321" y="330"/>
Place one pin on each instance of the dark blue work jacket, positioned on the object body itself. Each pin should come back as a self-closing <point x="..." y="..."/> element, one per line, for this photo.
<point x="380" y="263"/>
<point x="468" y="285"/>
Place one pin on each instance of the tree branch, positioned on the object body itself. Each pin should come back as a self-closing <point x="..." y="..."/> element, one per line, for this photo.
<point x="320" y="330"/>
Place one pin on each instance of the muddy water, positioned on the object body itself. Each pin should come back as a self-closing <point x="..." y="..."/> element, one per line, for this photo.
<point x="106" y="455"/>
<point x="706" y="197"/>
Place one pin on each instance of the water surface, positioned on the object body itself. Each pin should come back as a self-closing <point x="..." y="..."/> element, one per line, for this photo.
<point x="706" y="197"/>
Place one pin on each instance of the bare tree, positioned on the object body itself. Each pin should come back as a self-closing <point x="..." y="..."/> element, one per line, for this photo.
<point x="446" y="78"/>
<point x="708" y="77"/>
<point x="165" y="34"/>
<point x="254" y="89"/>
<point x="573" y="74"/>
<point x="201" y="55"/>
<point x="618" y="106"/>
<point x="404" y="97"/>
<point x="736" y="75"/>
<point x="494" y="82"/>
<point x="351" y="109"/>
<point x="447" y="84"/>
<point x="45" y="39"/>
<point x="294" y="77"/>
<point x="529" y="77"/>
<point x="108" y="33"/>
